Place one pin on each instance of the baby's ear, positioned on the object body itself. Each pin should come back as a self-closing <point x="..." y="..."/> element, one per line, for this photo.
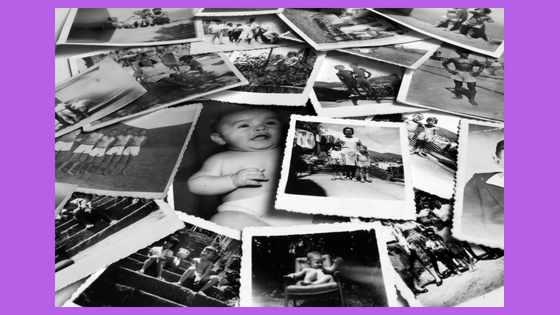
<point x="217" y="138"/>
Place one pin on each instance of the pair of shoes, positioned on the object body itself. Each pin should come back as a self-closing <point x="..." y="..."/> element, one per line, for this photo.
<point x="333" y="178"/>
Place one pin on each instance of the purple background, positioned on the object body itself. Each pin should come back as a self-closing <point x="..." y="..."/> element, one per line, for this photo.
<point x="27" y="274"/>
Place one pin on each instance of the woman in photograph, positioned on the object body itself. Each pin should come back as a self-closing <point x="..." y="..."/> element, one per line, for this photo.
<point x="350" y="146"/>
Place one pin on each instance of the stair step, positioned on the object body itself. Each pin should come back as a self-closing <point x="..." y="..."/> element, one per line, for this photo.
<point x="81" y="235"/>
<point x="133" y="264"/>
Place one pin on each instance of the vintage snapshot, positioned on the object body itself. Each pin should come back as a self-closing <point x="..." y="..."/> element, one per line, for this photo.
<point x="433" y="145"/>
<point x="170" y="74"/>
<point x="277" y="76"/>
<point x="348" y="85"/>
<point x="227" y="33"/>
<point x="62" y="193"/>
<point x="408" y="55"/>
<point x="134" y="158"/>
<point x="327" y="29"/>
<point x="196" y="266"/>
<point x="479" y="29"/>
<point x="91" y="95"/>
<point x="92" y="231"/>
<point x="346" y="168"/>
<point x="435" y="269"/>
<point x="236" y="11"/>
<point x="479" y="192"/>
<point x="457" y="81"/>
<point x="130" y="27"/>
<point x="323" y="265"/>
<point x="243" y="143"/>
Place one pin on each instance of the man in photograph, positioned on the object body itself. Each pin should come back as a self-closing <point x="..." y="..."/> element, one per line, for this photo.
<point x="464" y="72"/>
<point x="483" y="202"/>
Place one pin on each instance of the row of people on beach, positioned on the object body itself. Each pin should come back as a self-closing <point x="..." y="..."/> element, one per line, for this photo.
<point x="472" y="27"/>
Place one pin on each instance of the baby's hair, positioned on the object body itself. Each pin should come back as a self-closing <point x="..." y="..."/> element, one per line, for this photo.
<point x="173" y="241"/>
<point x="343" y="130"/>
<point x="500" y="148"/>
<point x="433" y="119"/>
<point x="314" y="254"/>
<point x="216" y="120"/>
<point x="185" y="58"/>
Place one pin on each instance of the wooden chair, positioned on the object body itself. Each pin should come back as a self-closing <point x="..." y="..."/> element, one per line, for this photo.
<point x="311" y="292"/>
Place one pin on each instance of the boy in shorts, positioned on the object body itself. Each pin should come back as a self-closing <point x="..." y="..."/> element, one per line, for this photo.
<point x="82" y="151"/>
<point x="132" y="149"/>
<point x="464" y="72"/>
<point x="362" y="76"/>
<point x="98" y="152"/>
<point x="114" y="152"/>
<point x="201" y="268"/>
<point x="347" y="79"/>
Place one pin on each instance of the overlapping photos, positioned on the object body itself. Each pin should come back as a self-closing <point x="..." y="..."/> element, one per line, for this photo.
<point x="281" y="157"/>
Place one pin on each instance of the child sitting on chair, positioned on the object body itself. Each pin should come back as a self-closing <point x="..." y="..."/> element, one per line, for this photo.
<point x="315" y="273"/>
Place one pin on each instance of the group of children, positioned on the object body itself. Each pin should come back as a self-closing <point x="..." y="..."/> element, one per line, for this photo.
<point x="143" y="18"/>
<point x="359" y="164"/>
<point x="354" y="78"/>
<point x="473" y="27"/>
<point x="97" y="152"/>
<point x="423" y="133"/>
<point x="200" y="271"/>
<point x="238" y="32"/>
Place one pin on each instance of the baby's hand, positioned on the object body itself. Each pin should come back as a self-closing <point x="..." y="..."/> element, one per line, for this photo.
<point x="248" y="177"/>
<point x="338" y="260"/>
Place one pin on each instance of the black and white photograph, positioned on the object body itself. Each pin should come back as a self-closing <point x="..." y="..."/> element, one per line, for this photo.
<point x="349" y="85"/>
<point x="479" y="192"/>
<point x="195" y="266"/>
<point x="457" y="81"/>
<point x="327" y="29"/>
<point x="477" y="29"/>
<point x="227" y="33"/>
<point x="259" y="147"/>
<point x="130" y="27"/>
<point x="236" y="11"/>
<point x="437" y="270"/>
<point x="170" y="74"/>
<point x="134" y="158"/>
<point x="92" y="231"/>
<point x="408" y="55"/>
<point x="322" y="265"/>
<point x="91" y="95"/>
<point x="277" y="76"/>
<point x="433" y="144"/>
<point x="346" y="167"/>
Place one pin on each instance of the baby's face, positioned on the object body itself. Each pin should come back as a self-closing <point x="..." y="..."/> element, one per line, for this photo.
<point x="251" y="130"/>
<point x="316" y="262"/>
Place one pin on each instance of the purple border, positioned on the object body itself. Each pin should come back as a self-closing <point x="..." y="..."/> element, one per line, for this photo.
<point x="28" y="228"/>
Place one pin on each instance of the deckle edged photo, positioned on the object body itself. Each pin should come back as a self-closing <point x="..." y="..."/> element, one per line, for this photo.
<point x="458" y="81"/>
<point x="227" y="33"/>
<point x="324" y="265"/>
<point x="130" y="27"/>
<point x="236" y="11"/>
<point x="195" y="266"/>
<point x="277" y="76"/>
<point x="437" y="270"/>
<point x="137" y="157"/>
<point x="477" y="29"/>
<point x="408" y="55"/>
<point x="479" y="192"/>
<point x="232" y="177"/>
<point x="327" y="29"/>
<point x="346" y="168"/>
<point x="91" y="95"/>
<point x="92" y="231"/>
<point x="171" y="74"/>
<point x="349" y="85"/>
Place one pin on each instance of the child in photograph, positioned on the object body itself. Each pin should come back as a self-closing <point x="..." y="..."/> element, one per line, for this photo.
<point x="349" y="145"/>
<point x="426" y="136"/>
<point x="98" y="152"/>
<point x="114" y="152"/>
<point x="362" y="163"/>
<point x="201" y="268"/>
<point x="236" y="32"/>
<point x="65" y="143"/>
<point x="81" y="153"/>
<point x="247" y="174"/>
<point x="247" y="33"/>
<point x="483" y="202"/>
<point x="147" y="18"/>
<point x="228" y="28"/>
<point x="84" y="212"/>
<point x="348" y="80"/>
<point x="216" y="30"/>
<point x="289" y="61"/>
<point x="474" y="27"/>
<point x="336" y="160"/>
<point x="453" y="18"/>
<point x="192" y="63"/>
<point x="316" y="273"/>
<point x="160" y="255"/>
<point x="413" y="124"/>
<point x="495" y="66"/>
<point x="135" y="20"/>
<point x="464" y="72"/>
<point x="362" y="76"/>
<point x="160" y="17"/>
<point x="132" y="149"/>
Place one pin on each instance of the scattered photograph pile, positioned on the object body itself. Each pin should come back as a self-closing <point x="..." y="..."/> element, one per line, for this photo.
<point x="279" y="157"/>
